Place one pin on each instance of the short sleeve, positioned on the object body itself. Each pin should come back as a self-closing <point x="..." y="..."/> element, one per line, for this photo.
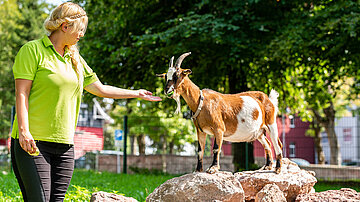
<point x="25" y="65"/>
<point x="89" y="75"/>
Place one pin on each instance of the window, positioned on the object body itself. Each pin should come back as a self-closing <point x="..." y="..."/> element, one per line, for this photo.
<point x="292" y="148"/>
<point x="292" y="121"/>
<point x="83" y="114"/>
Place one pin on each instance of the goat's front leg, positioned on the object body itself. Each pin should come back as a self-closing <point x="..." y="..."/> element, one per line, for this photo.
<point x="201" y="149"/>
<point x="215" y="166"/>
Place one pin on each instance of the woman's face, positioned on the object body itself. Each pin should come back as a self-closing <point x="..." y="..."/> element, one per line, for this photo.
<point x="73" y="36"/>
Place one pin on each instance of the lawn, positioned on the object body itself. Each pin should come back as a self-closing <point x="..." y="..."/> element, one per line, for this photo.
<point x="138" y="186"/>
<point x="84" y="183"/>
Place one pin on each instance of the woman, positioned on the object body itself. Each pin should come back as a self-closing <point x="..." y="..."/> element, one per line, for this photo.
<point x="50" y="76"/>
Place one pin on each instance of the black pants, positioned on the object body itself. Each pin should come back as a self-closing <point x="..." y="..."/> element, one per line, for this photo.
<point x="45" y="177"/>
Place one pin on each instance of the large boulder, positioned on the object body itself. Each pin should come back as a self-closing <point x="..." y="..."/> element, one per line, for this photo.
<point x="344" y="194"/>
<point x="110" y="197"/>
<point x="221" y="186"/>
<point x="292" y="180"/>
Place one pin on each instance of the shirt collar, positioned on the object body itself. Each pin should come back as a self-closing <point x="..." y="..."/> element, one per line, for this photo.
<point x="47" y="43"/>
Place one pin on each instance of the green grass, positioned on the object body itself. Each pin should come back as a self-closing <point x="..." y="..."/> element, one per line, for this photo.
<point x="322" y="185"/>
<point x="84" y="183"/>
<point x="138" y="186"/>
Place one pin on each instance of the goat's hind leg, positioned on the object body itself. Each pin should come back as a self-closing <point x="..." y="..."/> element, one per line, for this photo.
<point x="277" y="146"/>
<point x="268" y="154"/>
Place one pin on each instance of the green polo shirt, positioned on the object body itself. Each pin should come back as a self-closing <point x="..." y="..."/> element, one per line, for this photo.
<point x="55" y="95"/>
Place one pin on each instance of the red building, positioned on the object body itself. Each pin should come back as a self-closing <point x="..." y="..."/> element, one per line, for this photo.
<point x="88" y="139"/>
<point x="296" y="143"/>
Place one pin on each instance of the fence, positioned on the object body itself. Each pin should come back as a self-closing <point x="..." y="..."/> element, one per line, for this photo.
<point x="297" y="145"/>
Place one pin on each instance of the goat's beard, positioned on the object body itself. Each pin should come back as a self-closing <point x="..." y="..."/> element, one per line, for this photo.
<point x="176" y="97"/>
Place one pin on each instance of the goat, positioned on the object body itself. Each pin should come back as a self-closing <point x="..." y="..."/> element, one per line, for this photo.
<point x="241" y="117"/>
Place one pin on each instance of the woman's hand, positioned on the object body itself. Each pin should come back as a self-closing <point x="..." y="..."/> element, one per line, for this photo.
<point x="27" y="143"/>
<point x="147" y="95"/>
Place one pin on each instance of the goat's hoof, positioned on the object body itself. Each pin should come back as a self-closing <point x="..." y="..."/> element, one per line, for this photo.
<point x="212" y="170"/>
<point x="277" y="170"/>
<point x="267" y="168"/>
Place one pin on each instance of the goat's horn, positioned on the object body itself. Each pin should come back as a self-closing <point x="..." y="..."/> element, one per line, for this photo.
<point x="171" y="62"/>
<point x="180" y="59"/>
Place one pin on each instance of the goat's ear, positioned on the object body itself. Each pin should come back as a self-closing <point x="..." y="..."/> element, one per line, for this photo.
<point x="161" y="75"/>
<point x="186" y="71"/>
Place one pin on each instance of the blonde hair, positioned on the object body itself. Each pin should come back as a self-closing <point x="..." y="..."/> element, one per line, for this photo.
<point x="74" y="16"/>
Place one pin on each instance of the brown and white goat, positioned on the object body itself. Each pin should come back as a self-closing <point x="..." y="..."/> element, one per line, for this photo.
<point x="241" y="117"/>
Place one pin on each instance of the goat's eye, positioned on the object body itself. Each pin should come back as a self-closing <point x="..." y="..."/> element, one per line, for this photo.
<point x="175" y="77"/>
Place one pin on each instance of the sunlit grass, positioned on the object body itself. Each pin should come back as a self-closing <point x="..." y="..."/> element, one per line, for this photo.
<point x="138" y="186"/>
<point x="84" y="183"/>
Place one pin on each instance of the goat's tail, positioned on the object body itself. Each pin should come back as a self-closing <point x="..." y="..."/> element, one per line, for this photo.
<point x="274" y="98"/>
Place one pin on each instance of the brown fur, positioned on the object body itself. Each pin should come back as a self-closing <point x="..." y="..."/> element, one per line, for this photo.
<point x="255" y="114"/>
<point x="266" y="103"/>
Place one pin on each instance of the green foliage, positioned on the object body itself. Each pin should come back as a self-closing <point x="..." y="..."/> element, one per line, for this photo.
<point x="305" y="50"/>
<point x="21" y="21"/>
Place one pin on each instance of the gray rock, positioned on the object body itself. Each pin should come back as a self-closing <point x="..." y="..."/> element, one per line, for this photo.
<point x="221" y="186"/>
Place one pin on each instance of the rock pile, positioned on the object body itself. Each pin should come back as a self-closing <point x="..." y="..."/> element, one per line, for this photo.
<point x="261" y="185"/>
<point x="291" y="184"/>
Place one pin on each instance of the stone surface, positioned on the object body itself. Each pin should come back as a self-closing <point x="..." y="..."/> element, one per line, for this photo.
<point x="344" y="194"/>
<point x="221" y="186"/>
<point x="270" y="193"/>
<point x="292" y="180"/>
<point x="110" y="197"/>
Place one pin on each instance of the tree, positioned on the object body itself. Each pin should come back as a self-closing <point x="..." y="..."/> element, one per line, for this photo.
<point x="225" y="37"/>
<point x="320" y="56"/>
<point x="296" y="47"/>
<point x="21" y="21"/>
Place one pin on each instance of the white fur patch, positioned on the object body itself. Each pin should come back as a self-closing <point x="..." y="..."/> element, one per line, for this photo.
<point x="178" y="103"/>
<point x="170" y="73"/>
<point x="248" y="129"/>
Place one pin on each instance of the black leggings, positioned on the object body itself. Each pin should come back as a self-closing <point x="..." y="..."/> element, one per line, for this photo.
<point x="45" y="177"/>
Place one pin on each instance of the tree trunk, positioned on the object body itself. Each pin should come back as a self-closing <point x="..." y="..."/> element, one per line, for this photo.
<point x="318" y="145"/>
<point x="141" y="143"/>
<point x="132" y="146"/>
<point x="171" y="147"/>
<point x="328" y="122"/>
<point x="163" y="156"/>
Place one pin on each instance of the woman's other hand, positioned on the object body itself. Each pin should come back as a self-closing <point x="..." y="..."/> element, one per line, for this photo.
<point x="27" y="143"/>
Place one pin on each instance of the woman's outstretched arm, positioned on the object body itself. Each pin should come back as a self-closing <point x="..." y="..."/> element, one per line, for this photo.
<point x="101" y="90"/>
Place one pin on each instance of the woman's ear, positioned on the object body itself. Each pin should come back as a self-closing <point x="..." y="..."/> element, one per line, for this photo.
<point x="64" y="27"/>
